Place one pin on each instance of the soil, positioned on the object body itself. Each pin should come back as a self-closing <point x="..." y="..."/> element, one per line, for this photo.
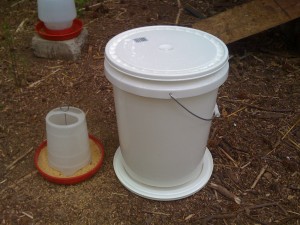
<point x="255" y="143"/>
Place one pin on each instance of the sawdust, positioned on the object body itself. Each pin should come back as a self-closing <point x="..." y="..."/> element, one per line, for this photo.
<point x="96" y="154"/>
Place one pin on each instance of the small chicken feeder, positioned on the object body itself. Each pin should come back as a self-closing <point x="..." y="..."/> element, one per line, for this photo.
<point x="59" y="34"/>
<point x="58" y="20"/>
<point x="69" y="155"/>
<point x="165" y="80"/>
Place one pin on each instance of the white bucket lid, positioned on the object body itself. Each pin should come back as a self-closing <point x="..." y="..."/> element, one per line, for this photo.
<point x="155" y="61"/>
<point x="166" y="53"/>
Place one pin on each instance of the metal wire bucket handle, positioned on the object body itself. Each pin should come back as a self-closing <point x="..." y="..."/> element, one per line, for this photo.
<point x="65" y="109"/>
<point x="216" y="112"/>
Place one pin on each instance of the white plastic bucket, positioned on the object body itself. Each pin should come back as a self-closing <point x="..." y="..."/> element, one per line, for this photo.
<point x="67" y="140"/>
<point x="162" y="77"/>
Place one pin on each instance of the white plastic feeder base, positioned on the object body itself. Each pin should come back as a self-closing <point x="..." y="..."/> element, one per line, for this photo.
<point x="164" y="193"/>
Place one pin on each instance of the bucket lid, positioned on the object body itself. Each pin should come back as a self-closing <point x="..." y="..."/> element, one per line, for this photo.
<point x="166" y="53"/>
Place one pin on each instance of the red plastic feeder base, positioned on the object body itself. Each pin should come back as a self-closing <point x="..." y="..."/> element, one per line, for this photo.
<point x="59" y="35"/>
<point x="52" y="175"/>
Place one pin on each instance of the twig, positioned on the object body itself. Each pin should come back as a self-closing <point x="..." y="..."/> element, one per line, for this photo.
<point x="234" y="113"/>
<point x="292" y="73"/>
<point x="156" y="213"/>
<point x="216" y="194"/>
<point x="288" y="219"/>
<point x="289" y="130"/>
<point x="18" y="159"/>
<point x="293" y="142"/>
<point x="295" y="174"/>
<point x="272" y="172"/>
<point x="121" y="13"/>
<point x="258" y="107"/>
<point x="114" y="193"/>
<point x="246" y="210"/>
<point x="255" y="220"/>
<point x="247" y="164"/>
<point x="258" y="59"/>
<point x="263" y="96"/>
<point x="276" y="53"/>
<point x="28" y="215"/>
<point x="21" y="26"/>
<point x="180" y="9"/>
<point x="189" y="217"/>
<point x="296" y="188"/>
<point x="224" y="221"/>
<point x="17" y="3"/>
<point x="92" y="21"/>
<point x="54" y="67"/>
<point x="224" y="165"/>
<point x="194" y="11"/>
<point x="178" y="16"/>
<point x="44" y="78"/>
<point x="19" y="181"/>
<point x="229" y="157"/>
<point x="179" y="4"/>
<point x="221" y="216"/>
<point x="262" y="205"/>
<point x="226" y="193"/>
<point x="293" y="212"/>
<point x="283" y="209"/>
<point x="227" y="146"/>
<point x="91" y="6"/>
<point x="262" y="171"/>
<point x="246" y="54"/>
<point x="274" y="146"/>
<point x="2" y="182"/>
<point x="27" y="176"/>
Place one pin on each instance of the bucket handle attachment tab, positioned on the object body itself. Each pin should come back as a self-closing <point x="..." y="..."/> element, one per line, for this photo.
<point x="216" y="110"/>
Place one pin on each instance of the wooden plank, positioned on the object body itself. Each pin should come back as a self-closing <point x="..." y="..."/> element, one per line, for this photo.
<point x="250" y="18"/>
<point x="291" y="7"/>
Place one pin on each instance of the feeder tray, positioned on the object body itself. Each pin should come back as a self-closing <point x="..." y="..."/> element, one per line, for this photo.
<point x="52" y="175"/>
<point x="59" y="35"/>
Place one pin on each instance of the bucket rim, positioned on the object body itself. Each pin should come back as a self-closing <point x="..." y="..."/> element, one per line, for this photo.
<point x="216" y="63"/>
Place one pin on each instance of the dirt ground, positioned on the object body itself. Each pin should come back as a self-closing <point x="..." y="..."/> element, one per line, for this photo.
<point x="255" y="144"/>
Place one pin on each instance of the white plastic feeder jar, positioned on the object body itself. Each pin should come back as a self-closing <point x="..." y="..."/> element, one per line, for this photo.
<point x="57" y="14"/>
<point x="67" y="140"/>
<point x="162" y="153"/>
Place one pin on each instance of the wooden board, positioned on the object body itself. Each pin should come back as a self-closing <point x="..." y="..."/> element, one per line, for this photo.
<point x="250" y="18"/>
